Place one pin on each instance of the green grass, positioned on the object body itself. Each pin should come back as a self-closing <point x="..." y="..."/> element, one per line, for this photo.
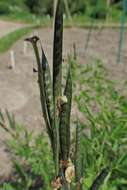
<point x="84" y="21"/>
<point x="19" y="17"/>
<point x="8" y="40"/>
<point x="28" y="18"/>
<point x="104" y="110"/>
<point x="105" y="117"/>
<point x="78" y="20"/>
<point x="20" y="13"/>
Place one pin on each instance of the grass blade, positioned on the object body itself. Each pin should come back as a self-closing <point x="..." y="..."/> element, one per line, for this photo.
<point x="11" y="120"/>
<point x="1" y="116"/>
<point x="100" y="179"/>
<point x="78" y="158"/>
<point x="20" y="171"/>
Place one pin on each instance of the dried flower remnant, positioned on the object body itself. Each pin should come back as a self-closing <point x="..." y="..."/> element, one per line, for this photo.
<point x="64" y="164"/>
<point x="70" y="172"/>
<point x="56" y="184"/>
<point x="60" y="101"/>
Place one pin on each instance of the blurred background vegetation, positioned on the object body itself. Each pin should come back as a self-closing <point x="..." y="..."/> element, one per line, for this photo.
<point x="31" y="10"/>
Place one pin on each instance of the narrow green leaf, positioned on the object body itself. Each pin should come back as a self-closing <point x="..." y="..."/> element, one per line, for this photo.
<point x="100" y="179"/>
<point x="4" y="127"/>
<point x="11" y="119"/>
<point x="20" y="171"/>
<point x="1" y="116"/>
<point x="75" y="52"/>
<point x="78" y="155"/>
<point x="64" y="129"/>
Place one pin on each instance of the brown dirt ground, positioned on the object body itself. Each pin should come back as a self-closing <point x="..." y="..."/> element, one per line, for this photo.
<point x="19" y="89"/>
<point x="7" y="27"/>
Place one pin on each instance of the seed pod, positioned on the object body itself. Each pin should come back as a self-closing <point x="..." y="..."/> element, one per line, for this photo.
<point x="57" y="76"/>
<point x="47" y="87"/>
<point x="34" y="41"/>
<point x="64" y="128"/>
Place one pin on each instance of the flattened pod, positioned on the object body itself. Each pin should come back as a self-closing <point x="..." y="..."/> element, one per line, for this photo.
<point x="64" y="129"/>
<point x="47" y="87"/>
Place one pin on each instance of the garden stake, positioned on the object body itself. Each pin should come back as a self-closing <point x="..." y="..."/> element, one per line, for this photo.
<point x="12" y="58"/>
<point x="122" y="33"/>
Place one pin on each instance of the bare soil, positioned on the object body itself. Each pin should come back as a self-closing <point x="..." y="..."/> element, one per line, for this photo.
<point x="7" y="27"/>
<point x="19" y="88"/>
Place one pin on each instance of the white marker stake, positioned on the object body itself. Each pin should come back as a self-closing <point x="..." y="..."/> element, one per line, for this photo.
<point x="25" y="47"/>
<point x="35" y="33"/>
<point x="12" y="57"/>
